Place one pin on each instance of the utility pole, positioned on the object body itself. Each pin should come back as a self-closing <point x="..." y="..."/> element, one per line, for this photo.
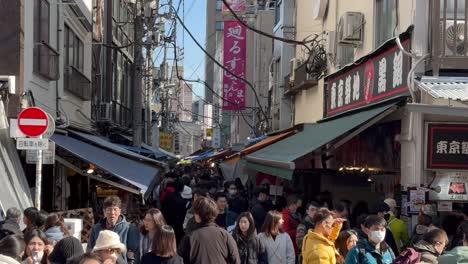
<point x="138" y="75"/>
<point x="149" y="90"/>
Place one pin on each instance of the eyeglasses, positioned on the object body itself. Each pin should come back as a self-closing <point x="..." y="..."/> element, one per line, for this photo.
<point x="112" y="209"/>
<point x="441" y="243"/>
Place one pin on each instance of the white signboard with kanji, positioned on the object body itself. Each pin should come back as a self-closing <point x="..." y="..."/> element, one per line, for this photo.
<point x="32" y="143"/>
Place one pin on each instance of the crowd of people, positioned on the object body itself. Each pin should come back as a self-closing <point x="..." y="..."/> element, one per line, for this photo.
<point x="203" y="222"/>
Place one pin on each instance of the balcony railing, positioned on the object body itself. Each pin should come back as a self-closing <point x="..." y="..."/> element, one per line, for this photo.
<point x="449" y="34"/>
<point x="78" y="84"/>
<point x="46" y="61"/>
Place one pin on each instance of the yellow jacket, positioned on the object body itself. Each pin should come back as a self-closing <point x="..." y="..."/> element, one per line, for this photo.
<point x="317" y="249"/>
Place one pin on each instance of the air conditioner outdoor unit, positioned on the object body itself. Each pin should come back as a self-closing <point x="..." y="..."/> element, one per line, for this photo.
<point x="104" y="112"/>
<point x="350" y="28"/>
<point x="454" y="38"/>
<point x="8" y="82"/>
<point x="293" y="64"/>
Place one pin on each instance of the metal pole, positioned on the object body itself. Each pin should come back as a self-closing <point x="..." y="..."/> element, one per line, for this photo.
<point x="38" y="178"/>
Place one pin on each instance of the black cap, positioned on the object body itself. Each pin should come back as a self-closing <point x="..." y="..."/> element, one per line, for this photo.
<point x="381" y="208"/>
<point x="66" y="248"/>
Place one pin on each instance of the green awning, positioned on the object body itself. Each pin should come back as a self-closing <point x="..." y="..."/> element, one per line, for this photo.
<point x="279" y="158"/>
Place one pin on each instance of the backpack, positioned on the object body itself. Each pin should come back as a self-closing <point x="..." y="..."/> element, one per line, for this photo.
<point x="409" y="256"/>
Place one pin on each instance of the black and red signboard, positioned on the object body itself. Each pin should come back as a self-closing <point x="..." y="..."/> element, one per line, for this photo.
<point x="447" y="146"/>
<point x="377" y="77"/>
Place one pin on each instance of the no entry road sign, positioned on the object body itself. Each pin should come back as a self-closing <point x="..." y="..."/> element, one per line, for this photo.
<point x="33" y="121"/>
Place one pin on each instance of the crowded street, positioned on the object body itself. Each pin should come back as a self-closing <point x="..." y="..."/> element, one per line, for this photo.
<point x="233" y="132"/>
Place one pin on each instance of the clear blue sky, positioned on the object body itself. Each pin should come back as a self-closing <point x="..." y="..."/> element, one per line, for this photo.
<point x="194" y="58"/>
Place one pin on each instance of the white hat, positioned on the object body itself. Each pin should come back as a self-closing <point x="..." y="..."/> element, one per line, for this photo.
<point x="108" y="240"/>
<point x="391" y="202"/>
<point x="187" y="192"/>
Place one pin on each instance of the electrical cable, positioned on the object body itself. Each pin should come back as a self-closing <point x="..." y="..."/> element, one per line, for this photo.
<point x="224" y="68"/>
<point x="290" y="41"/>
<point x="206" y="84"/>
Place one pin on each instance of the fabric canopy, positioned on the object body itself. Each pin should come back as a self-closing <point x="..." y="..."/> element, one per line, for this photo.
<point x="136" y="173"/>
<point x="279" y="158"/>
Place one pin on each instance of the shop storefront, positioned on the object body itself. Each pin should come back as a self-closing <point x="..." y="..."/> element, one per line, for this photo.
<point x="355" y="148"/>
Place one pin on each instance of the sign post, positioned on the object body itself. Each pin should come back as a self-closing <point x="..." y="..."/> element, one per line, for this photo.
<point x="33" y="122"/>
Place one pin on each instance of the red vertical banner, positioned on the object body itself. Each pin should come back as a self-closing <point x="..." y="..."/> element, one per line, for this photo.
<point x="236" y="5"/>
<point x="235" y="50"/>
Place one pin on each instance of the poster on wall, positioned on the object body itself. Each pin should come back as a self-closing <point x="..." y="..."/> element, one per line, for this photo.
<point x="453" y="186"/>
<point x="417" y="199"/>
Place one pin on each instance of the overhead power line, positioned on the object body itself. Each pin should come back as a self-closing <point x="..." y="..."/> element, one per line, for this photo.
<point x="223" y="67"/>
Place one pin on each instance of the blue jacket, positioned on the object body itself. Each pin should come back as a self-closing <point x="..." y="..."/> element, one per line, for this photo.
<point x="365" y="253"/>
<point x="128" y="233"/>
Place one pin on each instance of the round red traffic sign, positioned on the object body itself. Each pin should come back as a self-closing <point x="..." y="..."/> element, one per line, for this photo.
<point x="33" y="121"/>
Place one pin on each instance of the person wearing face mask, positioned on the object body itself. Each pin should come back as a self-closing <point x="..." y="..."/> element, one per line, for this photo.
<point x="382" y="209"/>
<point x="372" y="250"/>
<point x="319" y="245"/>
<point x="398" y="227"/>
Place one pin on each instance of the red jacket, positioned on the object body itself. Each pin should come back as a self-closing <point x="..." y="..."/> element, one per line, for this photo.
<point x="290" y="226"/>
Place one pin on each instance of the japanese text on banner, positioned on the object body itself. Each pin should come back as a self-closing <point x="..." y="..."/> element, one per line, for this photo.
<point x="234" y="60"/>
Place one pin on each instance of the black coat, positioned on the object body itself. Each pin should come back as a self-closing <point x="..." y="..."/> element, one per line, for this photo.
<point x="150" y="258"/>
<point x="209" y="244"/>
<point x="174" y="209"/>
<point x="251" y="251"/>
<point x="238" y="204"/>
<point x="259" y="211"/>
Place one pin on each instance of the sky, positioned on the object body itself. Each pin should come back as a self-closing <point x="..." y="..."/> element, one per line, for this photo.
<point x="194" y="58"/>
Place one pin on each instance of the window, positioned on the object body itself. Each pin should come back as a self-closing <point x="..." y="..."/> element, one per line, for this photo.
<point x="45" y="59"/>
<point x="385" y="20"/>
<point x="220" y="25"/>
<point x="74" y="79"/>
<point x="219" y="5"/>
<point x="277" y="12"/>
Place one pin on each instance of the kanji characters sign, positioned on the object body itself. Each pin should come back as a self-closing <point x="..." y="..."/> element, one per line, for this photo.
<point x="379" y="76"/>
<point x="447" y="146"/>
<point x="234" y="59"/>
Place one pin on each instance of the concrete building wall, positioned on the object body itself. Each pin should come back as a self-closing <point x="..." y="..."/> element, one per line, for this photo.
<point x="309" y="103"/>
<point x="72" y="110"/>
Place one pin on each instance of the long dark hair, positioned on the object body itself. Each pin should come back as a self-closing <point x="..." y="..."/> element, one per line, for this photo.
<point x="164" y="242"/>
<point x="12" y="246"/>
<point x="341" y="242"/>
<point x="250" y="231"/>
<point x="158" y="219"/>
<point x="55" y="220"/>
<point x="32" y="234"/>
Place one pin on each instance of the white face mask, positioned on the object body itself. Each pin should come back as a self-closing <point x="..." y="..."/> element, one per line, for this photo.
<point x="377" y="236"/>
